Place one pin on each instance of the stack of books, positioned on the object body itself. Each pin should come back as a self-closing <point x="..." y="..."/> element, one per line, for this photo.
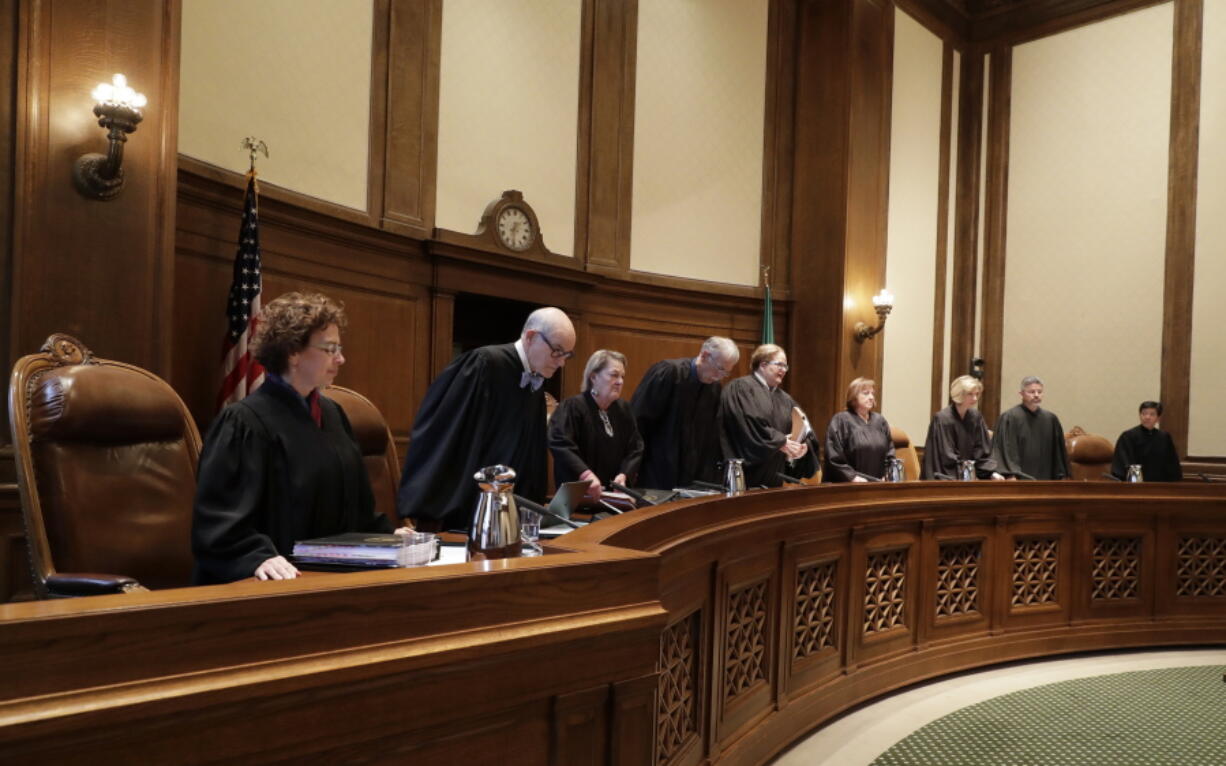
<point x="353" y="549"/>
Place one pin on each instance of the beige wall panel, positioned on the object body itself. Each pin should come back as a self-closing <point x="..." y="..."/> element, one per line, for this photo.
<point x="951" y="227"/>
<point x="1207" y="416"/>
<point x="509" y="111"/>
<point x="295" y="73"/>
<point x="915" y="172"/>
<point x="699" y="112"/>
<point x="1087" y="218"/>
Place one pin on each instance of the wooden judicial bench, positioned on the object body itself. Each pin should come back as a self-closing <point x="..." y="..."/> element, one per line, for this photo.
<point x="705" y="631"/>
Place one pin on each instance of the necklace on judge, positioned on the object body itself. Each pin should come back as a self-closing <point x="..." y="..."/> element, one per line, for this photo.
<point x="604" y="416"/>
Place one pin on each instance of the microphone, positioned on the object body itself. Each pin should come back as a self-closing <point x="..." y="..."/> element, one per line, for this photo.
<point x="1111" y="476"/>
<point x="526" y="503"/>
<point x="788" y="479"/>
<point x="707" y="485"/>
<point x="943" y="476"/>
<point x="611" y="507"/>
<point x="639" y="497"/>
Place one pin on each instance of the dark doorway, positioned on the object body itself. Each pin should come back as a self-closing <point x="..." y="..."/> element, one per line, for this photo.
<point x="481" y="320"/>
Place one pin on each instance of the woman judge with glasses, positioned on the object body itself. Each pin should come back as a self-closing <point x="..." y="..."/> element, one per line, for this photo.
<point x="757" y="419"/>
<point x="281" y="465"/>
<point x="593" y="436"/>
<point x="858" y="441"/>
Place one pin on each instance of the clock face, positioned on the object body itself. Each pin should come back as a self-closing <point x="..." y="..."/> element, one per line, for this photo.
<point x="515" y="228"/>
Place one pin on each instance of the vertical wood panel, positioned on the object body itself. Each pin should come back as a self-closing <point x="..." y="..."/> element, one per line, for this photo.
<point x="942" y="265"/>
<point x="1181" y="220"/>
<point x="966" y="200"/>
<point x="779" y="130"/>
<point x="8" y="134"/>
<point x="996" y="206"/>
<point x="414" y="43"/>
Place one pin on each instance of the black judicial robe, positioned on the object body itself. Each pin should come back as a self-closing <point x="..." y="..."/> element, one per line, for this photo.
<point x="855" y="447"/>
<point x="678" y="418"/>
<point x="475" y="414"/>
<point x="756" y="423"/>
<point x="579" y="442"/>
<point x="1030" y="444"/>
<point x="269" y="477"/>
<point x="1152" y="449"/>
<point x="952" y="439"/>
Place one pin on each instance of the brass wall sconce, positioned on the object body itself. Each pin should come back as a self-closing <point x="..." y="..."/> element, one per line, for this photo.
<point x="882" y="303"/>
<point x="118" y="108"/>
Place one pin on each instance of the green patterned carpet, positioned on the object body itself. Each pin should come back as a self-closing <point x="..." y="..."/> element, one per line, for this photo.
<point x="1169" y="717"/>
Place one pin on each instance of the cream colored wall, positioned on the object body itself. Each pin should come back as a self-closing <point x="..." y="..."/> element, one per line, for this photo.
<point x="508" y="112"/>
<point x="698" y="139"/>
<point x="915" y="171"/>
<point x="1087" y="218"/>
<point x="295" y="73"/>
<point x="1207" y="416"/>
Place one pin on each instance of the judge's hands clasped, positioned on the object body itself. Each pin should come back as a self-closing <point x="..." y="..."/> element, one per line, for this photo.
<point x="276" y="568"/>
<point x="794" y="449"/>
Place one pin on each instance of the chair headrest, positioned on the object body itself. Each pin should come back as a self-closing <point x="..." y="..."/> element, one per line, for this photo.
<point x="369" y="427"/>
<point x="899" y="437"/>
<point x="1085" y="447"/>
<point x="103" y="403"/>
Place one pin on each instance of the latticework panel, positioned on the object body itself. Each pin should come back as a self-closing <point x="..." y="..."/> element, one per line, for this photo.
<point x="1116" y="568"/>
<point x="677" y="718"/>
<point x="958" y="579"/>
<point x="815" y="609"/>
<point x="1035" y="568"/>
<point x="1200" y="569"/>
<point x="745" y="639"/>
<point x="885" y="590"/>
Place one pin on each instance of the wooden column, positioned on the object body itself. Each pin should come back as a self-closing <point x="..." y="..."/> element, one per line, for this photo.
<point x="966" y="225"/>
<point x="996" y="206"/>
<point x="844" y="52"/>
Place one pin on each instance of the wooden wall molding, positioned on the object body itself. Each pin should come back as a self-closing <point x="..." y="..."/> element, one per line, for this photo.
<point x="780" y="137"/>
<point x="996" y="209"/>
<point x="966" y="222"/>
<point x="1032" y="19"/>
<point x="940" y="281"/>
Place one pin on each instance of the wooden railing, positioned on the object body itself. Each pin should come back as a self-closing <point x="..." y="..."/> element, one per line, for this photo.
<point x="707" y="631"/>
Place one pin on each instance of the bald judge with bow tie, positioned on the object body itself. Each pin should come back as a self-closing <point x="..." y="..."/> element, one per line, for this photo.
<point x="486" y="408"/>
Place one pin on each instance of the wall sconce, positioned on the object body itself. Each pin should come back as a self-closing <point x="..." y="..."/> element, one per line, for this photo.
<point x="118" y="107"/>
<point x="882" y="303"/>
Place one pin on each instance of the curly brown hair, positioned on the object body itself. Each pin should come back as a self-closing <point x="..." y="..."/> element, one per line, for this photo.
<point x="286" y="325"/>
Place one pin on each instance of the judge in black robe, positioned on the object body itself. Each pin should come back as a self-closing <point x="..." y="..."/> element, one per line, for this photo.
<point x="281" y="465"/>
<point x="590" y="446"/>
<point x="1029" y="440"/>
<point x="959" y="433"/>
<point x="485" y="409"/>
<point x="757" y="421"/>
<point x="1148" y="446"/>
<point x="676" y="406"/>
<point x="858" y="441"/>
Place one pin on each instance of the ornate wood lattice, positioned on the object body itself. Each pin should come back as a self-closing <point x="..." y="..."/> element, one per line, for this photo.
<point x="816" y="588"/>
<point x="1116" y="568"/>
<point x="1201" y="567"/>
<point x="885" y="591"/>
<point x="745" y="639"/>
<point x="958" y="579"/>
<point x="1035" y="569"/>
<point x="677" y="718"/>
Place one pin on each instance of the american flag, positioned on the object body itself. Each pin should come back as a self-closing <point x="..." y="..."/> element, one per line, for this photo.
<point x="240" y="372"/>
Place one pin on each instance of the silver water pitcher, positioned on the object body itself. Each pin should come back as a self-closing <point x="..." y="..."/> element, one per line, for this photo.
<point x="494" y="533"/>
<point x="1134" y="474"/>
<point x="895" y="470"/>
<point x="966" y="470"/>
<point x="734" y="476"/>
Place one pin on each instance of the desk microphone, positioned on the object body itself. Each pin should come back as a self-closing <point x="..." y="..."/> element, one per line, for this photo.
<point x="638" y="497"/>
<point x="788" y="479"/>
<point x="707" y="485"/>
<point x="943" y="476"/>
<point x="536" y="508"/>
<point x="1111" y="476"/>
<point x="612" y="508"/>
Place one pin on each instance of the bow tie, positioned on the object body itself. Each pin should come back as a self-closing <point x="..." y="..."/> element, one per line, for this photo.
<point x="534" y="379"/>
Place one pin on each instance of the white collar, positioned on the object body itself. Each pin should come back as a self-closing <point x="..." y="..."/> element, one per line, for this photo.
<point x="762" y="380"/>
<point x="523" y="355"/>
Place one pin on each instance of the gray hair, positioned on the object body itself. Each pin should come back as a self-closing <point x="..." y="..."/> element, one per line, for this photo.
<point x="723" y="348"/>
<point x="1028" y="380"/>
<point x="597" y="362"/>
<point x="546" y="319"/>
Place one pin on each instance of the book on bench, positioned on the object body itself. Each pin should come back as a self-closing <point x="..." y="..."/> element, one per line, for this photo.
<point x="356" y="549"/>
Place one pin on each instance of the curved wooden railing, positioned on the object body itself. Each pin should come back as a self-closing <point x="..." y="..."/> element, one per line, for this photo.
<point x="788" y="607"/>
<point x="707" y="631"/>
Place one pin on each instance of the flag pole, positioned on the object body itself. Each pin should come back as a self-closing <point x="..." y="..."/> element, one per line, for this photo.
<point x="768" y="310"/>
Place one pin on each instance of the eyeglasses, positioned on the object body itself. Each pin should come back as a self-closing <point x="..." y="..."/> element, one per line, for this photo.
<point x="554" y="351"/>
<point x="332" y="349"/>
<point x="781" y="365"/>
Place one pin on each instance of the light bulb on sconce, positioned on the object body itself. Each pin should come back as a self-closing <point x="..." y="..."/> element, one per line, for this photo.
<point x="117" y="108"/>
<point x="883" y="302"/>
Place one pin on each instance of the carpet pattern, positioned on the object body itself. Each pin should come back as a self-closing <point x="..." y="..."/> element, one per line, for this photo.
<point x="1167" y="717"/>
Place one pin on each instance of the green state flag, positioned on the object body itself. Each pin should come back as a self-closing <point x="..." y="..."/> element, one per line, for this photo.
<point x="768" y="319"/>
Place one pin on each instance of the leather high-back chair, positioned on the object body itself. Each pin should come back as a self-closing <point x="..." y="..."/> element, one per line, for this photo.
<point x="905" y="451"/>
<point x="375" y="441"/>
<point x="106" y="458"/>
<point x="1089" y="455"/>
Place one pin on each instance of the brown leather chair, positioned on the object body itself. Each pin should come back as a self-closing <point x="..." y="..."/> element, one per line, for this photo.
<point x="1089" y="455"/>
<point x="106" y="457"/>
<point x="905" y="451"/>
<point x="375" y="441"/>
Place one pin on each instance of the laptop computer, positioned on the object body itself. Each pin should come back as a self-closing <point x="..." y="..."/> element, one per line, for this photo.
<point x="568" y="497"/>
